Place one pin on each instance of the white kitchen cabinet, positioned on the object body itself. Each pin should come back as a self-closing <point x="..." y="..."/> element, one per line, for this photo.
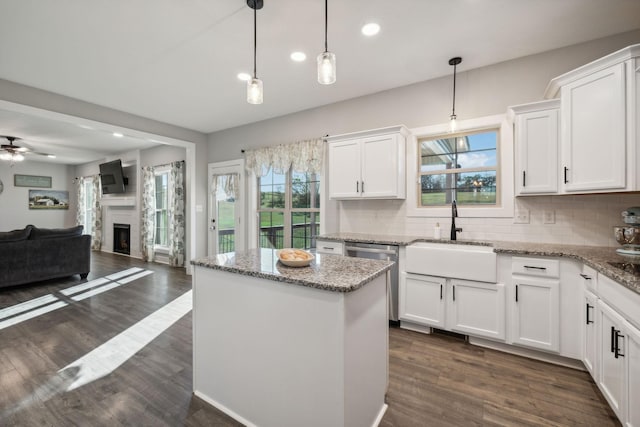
<point x="600" y="124"/>
<point x="536" y="309"/>
<point x="422" y="300"/>
<point x="594" y="131"/>
<point x="535" y="303"/>
<point x="590" y="334"/>
<point x="477" y="308"/>
<point x="611" y="375"/>
<point x="536" y="145"/>
<point x="329" y="247"/>
<point x="368" y="165"/>
<point x="633" y="375"/>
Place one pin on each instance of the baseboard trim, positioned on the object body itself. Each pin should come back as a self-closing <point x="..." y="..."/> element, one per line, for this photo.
<point x="224" y="409"/>
<point x="378" y="419"/>
<point x="531" y="354"/>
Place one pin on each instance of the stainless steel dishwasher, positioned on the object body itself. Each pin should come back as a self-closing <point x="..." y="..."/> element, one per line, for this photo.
<point x="386" y="253"/>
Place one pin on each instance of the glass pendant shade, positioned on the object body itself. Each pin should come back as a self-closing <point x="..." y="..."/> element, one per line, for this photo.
<point x="453" y="126"/>
<point x="14" y="157"/>
<point x="5" y="156"/>
<point x="254" y="91"/>
<point x="326" y="68"/>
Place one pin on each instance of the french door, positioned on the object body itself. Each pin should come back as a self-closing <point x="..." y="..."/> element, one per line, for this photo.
<point x="226" y="229"/>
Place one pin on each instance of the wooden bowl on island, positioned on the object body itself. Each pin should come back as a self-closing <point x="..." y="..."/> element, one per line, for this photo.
<point x="294" y="257"/>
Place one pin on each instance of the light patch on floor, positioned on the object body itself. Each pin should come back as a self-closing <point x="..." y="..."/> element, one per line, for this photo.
<point x="45" y="304"/>
<point x="109" y="356"/>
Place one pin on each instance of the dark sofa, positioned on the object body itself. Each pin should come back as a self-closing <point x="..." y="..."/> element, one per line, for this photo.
<point x="33" y="254"/>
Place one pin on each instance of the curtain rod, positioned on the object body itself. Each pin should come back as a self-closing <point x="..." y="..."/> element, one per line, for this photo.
<point x="164" y="164"/>
<point x="242" y="150"/>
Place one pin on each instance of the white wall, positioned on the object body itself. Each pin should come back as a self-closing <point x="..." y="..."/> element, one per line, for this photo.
<point x="480" y="92"/>
<point x="14" y="201"/>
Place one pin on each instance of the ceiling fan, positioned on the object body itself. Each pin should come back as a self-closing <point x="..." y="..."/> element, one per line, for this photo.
<point x="15" y="153"/>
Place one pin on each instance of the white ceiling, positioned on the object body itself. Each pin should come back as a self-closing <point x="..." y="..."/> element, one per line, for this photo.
<point x="177" y="61"/>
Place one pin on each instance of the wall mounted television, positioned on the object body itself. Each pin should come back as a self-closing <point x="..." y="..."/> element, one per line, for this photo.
<point x="112" y="178"/>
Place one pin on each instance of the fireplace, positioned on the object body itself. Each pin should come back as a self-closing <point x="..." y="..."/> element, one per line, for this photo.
<point x="122" y="238"/>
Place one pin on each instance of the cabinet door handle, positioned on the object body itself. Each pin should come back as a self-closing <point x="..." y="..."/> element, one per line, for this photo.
<point x="454" y="292"/>
<point x="535" y="268"/>
<point x="524" y="178"/>
<point x="363" y="187"/>
<point x="617" y="352"/>
<point x="585" y="277"/>
<point x="613" y="339"/>
<point x="441" y="291"/>
<point x="566" y="181"/>
<point x="588" y="307"/>
<point x="357" y="186"/>
<point x="328" y="248"/>
<point x="516" y="293"/>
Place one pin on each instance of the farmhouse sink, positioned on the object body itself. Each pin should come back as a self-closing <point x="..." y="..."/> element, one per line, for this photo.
<point x="469" y="262"/>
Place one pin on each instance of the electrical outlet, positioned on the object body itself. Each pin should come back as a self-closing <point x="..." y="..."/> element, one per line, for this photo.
<point x="549" y="217"/>
<point x="521" y="216"/>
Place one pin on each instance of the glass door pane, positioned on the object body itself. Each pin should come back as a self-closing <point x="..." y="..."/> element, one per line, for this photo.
<point x="225" y="213"/>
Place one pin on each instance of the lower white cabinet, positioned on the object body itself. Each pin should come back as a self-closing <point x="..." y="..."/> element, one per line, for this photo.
<point x="590" y="333"/>
<point x="422" y="300"/>
<point x="536" y="313"/>
<point x="611" y="373"/>
<point x="464" y="306"/>
<point x="633" y="376"/>
<point x="477" y="308"/>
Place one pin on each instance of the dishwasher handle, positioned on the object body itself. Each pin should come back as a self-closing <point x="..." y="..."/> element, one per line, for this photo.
<point x="371" y="250"/>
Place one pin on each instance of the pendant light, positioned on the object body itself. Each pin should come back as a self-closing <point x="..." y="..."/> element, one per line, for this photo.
<point x="254" y="85"/>
<point x="452" y="124"/>
<point x="326" y="60"/>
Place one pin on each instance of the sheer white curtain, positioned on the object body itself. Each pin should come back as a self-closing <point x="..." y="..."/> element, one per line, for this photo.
<point x="303" y="156"/>
<point x="228" y="183"/>
<point x="94" y="228"/>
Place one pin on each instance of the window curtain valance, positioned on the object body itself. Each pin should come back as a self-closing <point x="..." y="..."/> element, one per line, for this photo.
<point x="303" y="156"/>
<point x="229" y="183"/>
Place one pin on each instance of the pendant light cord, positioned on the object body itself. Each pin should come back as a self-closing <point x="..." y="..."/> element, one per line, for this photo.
<point x="255" y="40"/>
<point x="453" y="110"/>
<point x="326" y="24"/>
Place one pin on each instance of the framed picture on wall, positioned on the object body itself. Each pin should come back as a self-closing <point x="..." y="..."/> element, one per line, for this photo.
<point x="48" y="199"/>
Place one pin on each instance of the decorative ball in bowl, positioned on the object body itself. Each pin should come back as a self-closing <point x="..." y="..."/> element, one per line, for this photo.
<point x="627" y="235"/>
<point x="294" y="257"/>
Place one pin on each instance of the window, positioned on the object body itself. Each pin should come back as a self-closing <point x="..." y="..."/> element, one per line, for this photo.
<point x="87" y="211"/>
<point x="162" y="216"/>
<point x="462" y="167"/>
<point x="288" y="210"/>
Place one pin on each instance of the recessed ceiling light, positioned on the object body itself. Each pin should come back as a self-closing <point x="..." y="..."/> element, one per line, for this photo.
<point x="244" y="77"/>
<point x="298" y="56"/>
<point x="118" y="135"/>
<point x="85" y="127"/>
<point x="51" y="156"/>
<point x="370" y="29"/>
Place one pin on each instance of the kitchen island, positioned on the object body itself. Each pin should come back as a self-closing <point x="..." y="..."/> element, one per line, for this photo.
<point x="283" y="346"/>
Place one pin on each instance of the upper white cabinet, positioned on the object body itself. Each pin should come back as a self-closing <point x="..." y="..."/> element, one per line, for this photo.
<point x="536" y="146"/>
<point x="600" y="124"/>
<point x="369" y="164"/>
<point x="593" y="131"/>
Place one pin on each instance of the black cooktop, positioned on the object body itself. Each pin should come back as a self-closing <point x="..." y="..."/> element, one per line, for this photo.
<point x="627" y="267"/>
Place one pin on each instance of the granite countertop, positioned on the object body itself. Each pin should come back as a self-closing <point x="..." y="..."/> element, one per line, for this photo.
<point x="596" y="257"/>
<point x="327" y="272"/>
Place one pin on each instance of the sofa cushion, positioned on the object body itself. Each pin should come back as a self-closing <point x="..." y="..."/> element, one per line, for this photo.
<point x="53" y="233"/>
<point x="15" y="235"/>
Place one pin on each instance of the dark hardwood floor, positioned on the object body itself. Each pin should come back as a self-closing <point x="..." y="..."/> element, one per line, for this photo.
<point x="435" y="380"/>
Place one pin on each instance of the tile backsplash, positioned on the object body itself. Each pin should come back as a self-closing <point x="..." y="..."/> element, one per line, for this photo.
<point x="579" y="220"/>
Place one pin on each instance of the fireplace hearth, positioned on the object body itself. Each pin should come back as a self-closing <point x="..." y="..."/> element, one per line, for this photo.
<point x="122" y="238"/>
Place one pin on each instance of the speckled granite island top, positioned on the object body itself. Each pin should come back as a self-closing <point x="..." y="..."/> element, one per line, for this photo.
<point x="328" y="272"/>
<point x="597" y="257"/>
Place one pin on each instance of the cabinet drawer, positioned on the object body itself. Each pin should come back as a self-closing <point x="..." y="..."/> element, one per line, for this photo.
<point x="539" y="267"/>
<point x="328" y="247"/>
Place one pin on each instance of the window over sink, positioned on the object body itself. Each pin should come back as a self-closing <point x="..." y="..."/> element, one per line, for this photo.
<point x="461" y="167"/>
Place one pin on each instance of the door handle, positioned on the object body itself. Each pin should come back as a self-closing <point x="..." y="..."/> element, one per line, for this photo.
<point x="362" y="187"/>
<point x="454" y="292"/>
<point x="441" y="291"/>
<point x="566" y="181"/>
<point x="516" y="293"/>
<point x="524" y="178"/>
<point x="357" y="186"/>
<point x="613" y="339"/>
<point x="617" y="349"/>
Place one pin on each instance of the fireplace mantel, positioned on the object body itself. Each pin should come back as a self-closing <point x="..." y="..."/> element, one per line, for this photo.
<point x="118" y="201"/>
